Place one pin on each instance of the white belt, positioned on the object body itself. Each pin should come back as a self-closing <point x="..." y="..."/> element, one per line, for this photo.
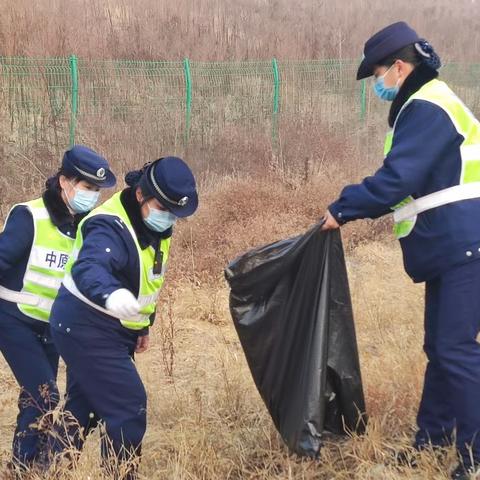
<point x="457" y="193"/>
<point x="69" y="284"/>
<point x="19" y="297"/>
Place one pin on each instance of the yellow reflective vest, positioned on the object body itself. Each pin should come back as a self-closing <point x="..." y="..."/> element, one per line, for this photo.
<point x="437" y="92"/>
<point x="45" y="269"/>
<point x="150" y="283"/>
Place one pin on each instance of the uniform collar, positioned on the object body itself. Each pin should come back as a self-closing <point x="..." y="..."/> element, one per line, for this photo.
<point x="416" y="80"/>
<point x="145" y="236"/>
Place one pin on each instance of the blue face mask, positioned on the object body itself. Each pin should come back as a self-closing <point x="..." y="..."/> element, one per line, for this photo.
<point x="83" y="200"/>
<point x="159" y="220"/>
<point x="383" y="92"/>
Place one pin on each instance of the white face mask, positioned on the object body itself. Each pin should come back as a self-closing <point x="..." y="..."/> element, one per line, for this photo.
<point x="159" y="220"/>
<point x="83" y="200"/>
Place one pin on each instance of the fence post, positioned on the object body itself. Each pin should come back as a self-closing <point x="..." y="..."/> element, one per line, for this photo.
<point x="74" y="97"/>
<point x="276" y="100"/>
<point x="363" y="99"/>
<point x="188" y="98"/>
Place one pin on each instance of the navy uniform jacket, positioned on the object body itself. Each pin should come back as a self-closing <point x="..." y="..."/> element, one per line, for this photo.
<point x="108" y="260"/>
<point x="16" y="242"/>
<point x="425" y="158"/>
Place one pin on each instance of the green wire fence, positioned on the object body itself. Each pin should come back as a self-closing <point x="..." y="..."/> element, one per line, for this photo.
<point x="53" y="100"/>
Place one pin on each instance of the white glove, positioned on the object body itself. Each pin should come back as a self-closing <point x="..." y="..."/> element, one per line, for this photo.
<point x="122" y="303"/>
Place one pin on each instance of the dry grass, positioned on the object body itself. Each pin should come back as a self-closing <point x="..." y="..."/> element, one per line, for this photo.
<point x="206" y="420"/>
<point x="219" y="29"/>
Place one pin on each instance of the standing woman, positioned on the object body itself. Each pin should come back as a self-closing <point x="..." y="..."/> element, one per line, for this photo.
<point x="431" y="179"/>
<point x="35" y="246"/>
<point x="107" y="303"/>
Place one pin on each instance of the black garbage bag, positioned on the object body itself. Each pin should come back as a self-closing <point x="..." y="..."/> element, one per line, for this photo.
<point x="291" y="307"/>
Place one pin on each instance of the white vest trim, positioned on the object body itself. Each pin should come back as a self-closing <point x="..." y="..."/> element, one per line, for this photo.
<point x="19" y="297"/>
<point x="70" y="285"/>
<point x="466" y="191"/>
<point x="42" y="280"/>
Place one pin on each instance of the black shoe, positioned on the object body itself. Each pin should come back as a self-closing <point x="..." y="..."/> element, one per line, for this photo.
<point x="461" y="473"/>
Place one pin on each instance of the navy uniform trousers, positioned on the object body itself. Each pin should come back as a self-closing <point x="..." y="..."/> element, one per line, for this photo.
<point x="32" y="356"/>
<point x="451" y="394"/>
<point x="102" y="380"/>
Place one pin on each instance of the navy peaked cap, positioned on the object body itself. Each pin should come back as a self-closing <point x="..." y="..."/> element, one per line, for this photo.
<point x="383" y="44"/>
<point x="82" y="162"/>
<point x="172" y="183"/>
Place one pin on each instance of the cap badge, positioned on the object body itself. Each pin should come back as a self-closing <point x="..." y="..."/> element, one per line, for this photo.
<point x="101" y="173"/>
<point x="183" y="201"/>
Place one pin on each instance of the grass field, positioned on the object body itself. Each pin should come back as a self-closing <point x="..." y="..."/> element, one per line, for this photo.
<point x="206" y="419"/>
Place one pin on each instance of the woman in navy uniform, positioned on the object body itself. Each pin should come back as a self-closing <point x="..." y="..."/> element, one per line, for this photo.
<point x="34" y="247"/>
<point x="430" y="178"/>
<point x="102" y="313"/>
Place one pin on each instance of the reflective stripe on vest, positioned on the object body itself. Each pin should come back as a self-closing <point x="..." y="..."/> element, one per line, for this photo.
<point x="149" y="283"/>
<point x="70" y="285"/>
<point x="467" y="191"/>
<point x="437" y="92"/>
<point x="46" y="263"/>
